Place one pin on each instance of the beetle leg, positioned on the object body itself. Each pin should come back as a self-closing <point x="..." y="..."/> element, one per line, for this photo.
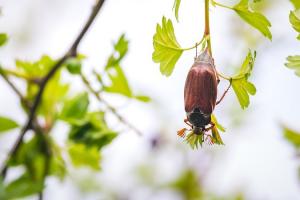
<point x="188" y="122"/>
<point x="219" y="101"/>
<point x="209" y="140"/>
<point x="181" y="132"/>
<point x="211" y="127"/>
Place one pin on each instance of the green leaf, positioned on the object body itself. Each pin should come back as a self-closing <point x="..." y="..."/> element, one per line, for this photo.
<point x="7" y="124"/>
<point x="2" y="190"/>
<point x="81" y="155"/>
<point x="75" y="108"/>
<point x="295" y="21"/>
<point x="120" y="50"/>
<point x="73" y="65"/>
<point x="93" y="131"/>
<point x="176" y="6"/>
<point x="294" y="63"/>
<point x="3" y="39"/>
<point x="215" y="121"/>
<point x="167" y="51"/>
<point x="195" y="140"/>
<point x="57" y="163"/>
<point x="255" y="19"/>
<point x="296" y="4"/>
<point x="240" y="84"/>
<point x="142" y="98"/>
<point x="22" y="187"/>
<point x="119" y="83"/>
<point x="292" y="136"/>
<point x="53" y="98"/>
<point x="216" y="138"/>
<point x="118" y="80"/>
<point x="35" y="69"/>
<point x="32" y="155"/>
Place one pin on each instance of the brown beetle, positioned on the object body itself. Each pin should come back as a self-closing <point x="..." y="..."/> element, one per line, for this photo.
<point x="200" y="94"/>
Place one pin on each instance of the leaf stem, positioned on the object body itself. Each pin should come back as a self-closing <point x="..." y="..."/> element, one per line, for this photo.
<point x="207" y="27"/>
<point x="197" y="44"/>
<point x="224" y="76"/>
<point x="221" y="5"/>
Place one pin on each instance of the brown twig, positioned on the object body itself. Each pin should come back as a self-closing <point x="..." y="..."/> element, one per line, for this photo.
<point x="13" y="87"/>
<point x="70" y="53"/>
<point x="110" y="108"/>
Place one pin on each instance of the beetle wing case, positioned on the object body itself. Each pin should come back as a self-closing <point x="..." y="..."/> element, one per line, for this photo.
<point x="201" y="85"/>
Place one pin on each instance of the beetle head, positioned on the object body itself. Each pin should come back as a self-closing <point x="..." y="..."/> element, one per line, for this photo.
<point x="198" y="118"/>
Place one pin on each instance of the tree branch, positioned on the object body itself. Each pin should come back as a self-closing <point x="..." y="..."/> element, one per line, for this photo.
<point x="70" y="53"/>
<point x="111" y="108"/>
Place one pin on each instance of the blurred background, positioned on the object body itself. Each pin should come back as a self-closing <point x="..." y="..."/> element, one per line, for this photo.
<point x="256" y="161"/>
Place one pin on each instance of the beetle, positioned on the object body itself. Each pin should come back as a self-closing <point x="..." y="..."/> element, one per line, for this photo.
<point x="200" y="94"/>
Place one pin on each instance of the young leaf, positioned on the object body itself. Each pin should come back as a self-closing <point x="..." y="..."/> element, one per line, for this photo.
<point x="215" y="121"/>
<point x="7" y="124"/>
<point x="76" y="107"/>
<point x="292" y="136"/>
<point x="119" y="83"/>
<point x="81" y="155"/>
<point x="255" y="19"/>
<point x="294" y="63"/>
<point x="216" y="138"/>
<point x="92" y="131"/>
<point x="176" y="6"/>
<point x="240" y="84"/>
<point x="73" y="65"/>
<point x="22" y="187"/>
<point x="121" y="49"/>
<point x="195" y="140"/>
<point x="167" y="51"/>
<point x="295" y="21"/>
<point x="35" y="69"/>
<point x="3" y="39"/>
<point x="142" y="98"/>
<point x="296" y="4"/>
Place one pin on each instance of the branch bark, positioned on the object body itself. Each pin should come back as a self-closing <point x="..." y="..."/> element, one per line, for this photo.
<point x="72" y="52"/>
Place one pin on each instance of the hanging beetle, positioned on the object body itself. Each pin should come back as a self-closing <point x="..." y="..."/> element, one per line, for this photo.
<point x="200" y="94"/>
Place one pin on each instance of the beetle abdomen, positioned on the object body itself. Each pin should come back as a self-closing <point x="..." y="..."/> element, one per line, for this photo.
<point x="201" y="86"/>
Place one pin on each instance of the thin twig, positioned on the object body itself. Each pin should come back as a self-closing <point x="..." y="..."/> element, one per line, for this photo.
<point x="111" y="108"/>
<point x="35" y="80"/>
<point x="14" y="88"/>
<point x="70" y="53"/>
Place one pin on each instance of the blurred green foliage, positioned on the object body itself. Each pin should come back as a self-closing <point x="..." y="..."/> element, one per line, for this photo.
<point x="7" y="124"/>
<point x="3" y="38"/>
<point x="176" y="6"/>
<point x="40" y="156"/>
<point x="292" y="136"/>
<point x="295" y="21"/>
